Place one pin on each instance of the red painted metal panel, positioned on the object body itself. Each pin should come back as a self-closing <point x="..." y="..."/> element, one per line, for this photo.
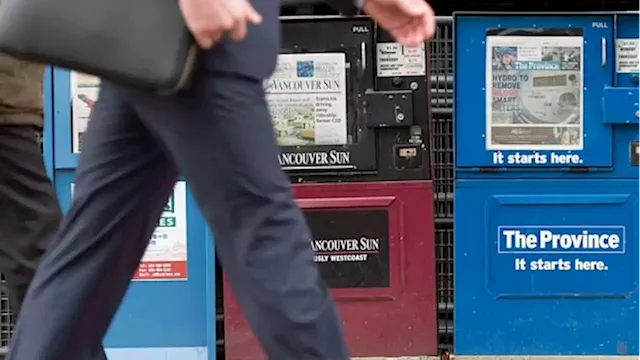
<point x="399" y="320"/>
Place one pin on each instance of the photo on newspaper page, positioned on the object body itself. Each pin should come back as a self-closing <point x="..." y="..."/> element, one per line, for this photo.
<point x="307" y="96"/>
<point x="534" y="90"/>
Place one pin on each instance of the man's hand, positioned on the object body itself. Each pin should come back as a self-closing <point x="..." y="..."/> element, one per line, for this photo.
<point x="209" y="20"/>
<point x="410" y="22"/>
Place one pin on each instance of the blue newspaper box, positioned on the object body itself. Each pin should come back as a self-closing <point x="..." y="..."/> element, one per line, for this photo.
<point x="169" y="309"/>
<point x="546" y="188"/>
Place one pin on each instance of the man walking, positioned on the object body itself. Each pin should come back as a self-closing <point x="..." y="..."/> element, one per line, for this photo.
<point x="30" y="210"/>
<point x="218" y="135"/>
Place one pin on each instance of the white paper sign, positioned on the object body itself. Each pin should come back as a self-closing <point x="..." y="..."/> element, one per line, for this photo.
<point x="627" y="55"/>
<point x="166" y="255"/>
<point x="396" y="60"/>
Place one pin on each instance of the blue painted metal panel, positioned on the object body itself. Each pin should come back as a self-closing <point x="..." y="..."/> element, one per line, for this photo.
<point x="620" y="105"/>
<point x="63" y="155"/>
<point x="166" y="314"/>
<point x="470" y="94"/>
<point x="172" y="318"/>
<point x="47" y="135"/>
<point x="574" y="296"/>
<point x="546" y="264"/>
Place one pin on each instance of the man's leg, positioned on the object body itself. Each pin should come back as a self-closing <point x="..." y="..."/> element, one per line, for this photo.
<point x="221" y="138"/>
<point x="31" y="213"/>
<point x="122" y="183"/>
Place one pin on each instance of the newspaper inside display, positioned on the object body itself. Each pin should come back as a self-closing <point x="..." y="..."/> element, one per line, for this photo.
<point x="534" y="92"/>
<point x="84" y="94"/>
<point x="307" y="99"/>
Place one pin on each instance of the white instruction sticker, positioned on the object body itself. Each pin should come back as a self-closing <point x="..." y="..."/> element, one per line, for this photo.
<point x="396" y="60"/>
<point x="627" y="55"/>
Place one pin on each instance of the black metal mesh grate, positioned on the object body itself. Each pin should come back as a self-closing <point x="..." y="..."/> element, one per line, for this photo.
<point x="220" y="351"/>
<point x="441" y="66"/>
<point x="6" y="320"/>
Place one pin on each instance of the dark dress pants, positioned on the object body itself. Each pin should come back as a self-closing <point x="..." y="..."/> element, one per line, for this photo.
<point x="29" y="213"/>
<point x="218" y="135"/>
<point x="29" y="209"/>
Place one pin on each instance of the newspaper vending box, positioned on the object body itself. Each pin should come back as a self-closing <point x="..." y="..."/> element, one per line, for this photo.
<point x="165" y="311"/>
<point x="350" y="112"/>
<point x="546" y="188"/>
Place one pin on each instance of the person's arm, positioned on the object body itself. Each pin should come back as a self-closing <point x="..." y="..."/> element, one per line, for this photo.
<point x="346" y="7"/>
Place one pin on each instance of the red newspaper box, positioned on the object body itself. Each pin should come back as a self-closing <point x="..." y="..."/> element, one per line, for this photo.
<point x="374" y="245"/>
<point x="351" y="115"/>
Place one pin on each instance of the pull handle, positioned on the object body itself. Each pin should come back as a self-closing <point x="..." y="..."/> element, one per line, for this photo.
<point x="603" y="52"/>
<point x="363" y="55"/>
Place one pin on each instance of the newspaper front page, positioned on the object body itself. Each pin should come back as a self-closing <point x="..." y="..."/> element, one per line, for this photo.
<point x="534" y="93"/>
<point x="307" y="99"/>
